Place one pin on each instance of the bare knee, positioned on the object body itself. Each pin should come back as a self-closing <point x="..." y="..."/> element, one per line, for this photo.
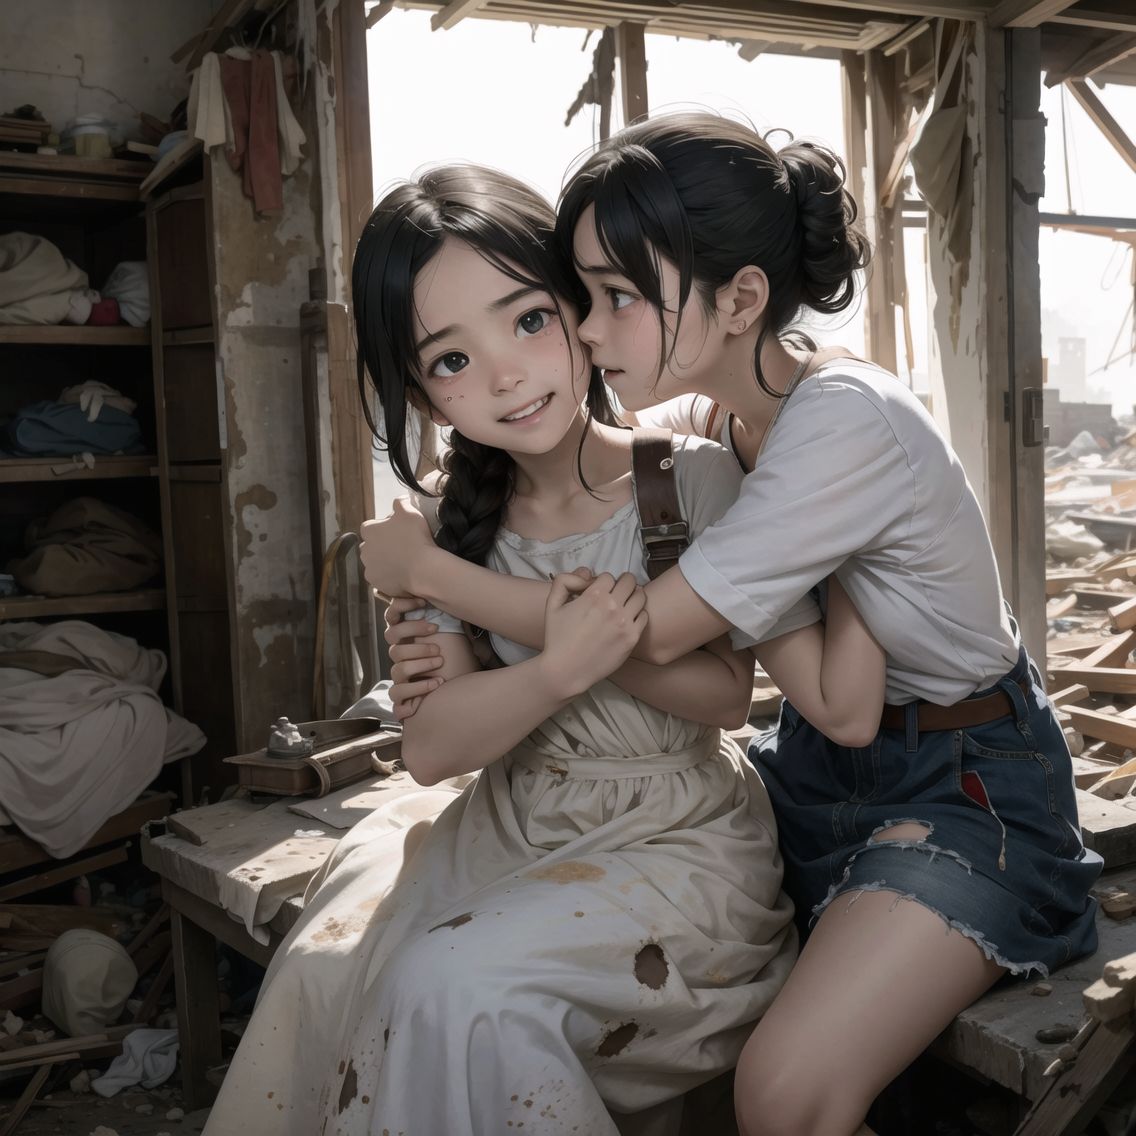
<point x="784" y="1093"/>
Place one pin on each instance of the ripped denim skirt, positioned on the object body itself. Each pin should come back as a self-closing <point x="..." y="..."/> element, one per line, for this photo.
<point x="1002" y="860"/>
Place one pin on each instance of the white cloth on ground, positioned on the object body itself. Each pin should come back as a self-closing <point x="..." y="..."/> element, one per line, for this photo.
<point x="148" y="1058"/>
<point x="79" y="747"/>
<point x="594" y="924"/>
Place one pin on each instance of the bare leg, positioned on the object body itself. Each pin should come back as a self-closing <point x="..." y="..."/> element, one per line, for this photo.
<point x="879" y="978"/>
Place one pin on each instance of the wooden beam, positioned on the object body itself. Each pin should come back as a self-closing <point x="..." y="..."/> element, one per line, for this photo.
<point x="1105" y="15"/>
<point x="882" y="112"/>
<point x="453" y="12"/>
<point x="1105" y="123"/>
<point x="379" y="11"/>
<point x="631" y="50"/>
<point x="910" y="35"/>
<point x="1026" y="13"/>
<point x="1096" y="58"/>
<point x="1123" y="616"/>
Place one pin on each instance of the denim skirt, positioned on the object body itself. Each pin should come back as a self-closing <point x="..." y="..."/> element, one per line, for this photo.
<point x="1002" y="860"/>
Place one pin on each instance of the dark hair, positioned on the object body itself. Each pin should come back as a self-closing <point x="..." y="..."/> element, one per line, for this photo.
<point x="512" y="227"/>
<point x="710" y="195"/>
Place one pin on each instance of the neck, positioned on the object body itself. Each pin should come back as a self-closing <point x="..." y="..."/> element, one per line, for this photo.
<point x="737" y="387"/>
<point x="555" y="474"/>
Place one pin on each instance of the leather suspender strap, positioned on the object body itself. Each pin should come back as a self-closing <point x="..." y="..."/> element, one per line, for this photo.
<point x="712" y="421"/>
<point x="662" y="528"/>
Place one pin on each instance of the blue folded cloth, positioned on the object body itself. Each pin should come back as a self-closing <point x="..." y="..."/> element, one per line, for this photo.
<point x="50" y="428"/>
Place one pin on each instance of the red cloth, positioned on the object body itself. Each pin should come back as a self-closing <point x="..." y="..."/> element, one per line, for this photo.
<point x="250" y="90"/>
<point x="104" y="313"/>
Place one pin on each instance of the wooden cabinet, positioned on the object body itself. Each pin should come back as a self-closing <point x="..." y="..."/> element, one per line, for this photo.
<point x="91" y="211"/>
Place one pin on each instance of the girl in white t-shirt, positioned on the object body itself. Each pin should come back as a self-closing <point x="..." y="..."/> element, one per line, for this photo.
<point x="698" y="244"/>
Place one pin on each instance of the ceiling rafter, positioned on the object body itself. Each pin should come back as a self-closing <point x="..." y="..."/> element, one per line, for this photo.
<point x="1026" y="13"/>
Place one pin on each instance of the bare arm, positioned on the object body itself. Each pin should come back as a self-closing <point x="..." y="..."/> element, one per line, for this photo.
<point x="473" y="717"/>
<point x="832" y="673"/>
<point x="401" y="558"/>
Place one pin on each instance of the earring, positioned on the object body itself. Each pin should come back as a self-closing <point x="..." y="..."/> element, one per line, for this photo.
<point x="740" y="326"/>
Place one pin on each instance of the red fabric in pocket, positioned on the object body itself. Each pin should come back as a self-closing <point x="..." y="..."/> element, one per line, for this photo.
<point x="973" y="787"/>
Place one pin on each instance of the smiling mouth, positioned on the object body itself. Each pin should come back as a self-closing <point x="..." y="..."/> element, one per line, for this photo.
<point x="528" y="411"/>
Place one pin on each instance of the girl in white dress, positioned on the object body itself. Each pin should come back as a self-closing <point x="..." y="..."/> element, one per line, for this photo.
<point x="595" y="923"/>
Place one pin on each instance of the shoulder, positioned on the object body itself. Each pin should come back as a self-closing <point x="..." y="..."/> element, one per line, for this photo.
<point x="707" y="477"/>
<point x="687" y="414"/>
<point x="865" y="392"/>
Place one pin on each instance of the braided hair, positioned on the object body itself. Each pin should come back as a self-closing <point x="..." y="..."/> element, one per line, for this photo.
<point x="512" y="227"/>
<point x="711" y="196"/>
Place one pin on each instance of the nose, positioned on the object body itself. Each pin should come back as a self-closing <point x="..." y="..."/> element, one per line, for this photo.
<point x="508" y="374"/>
<point x="589" y="329"/>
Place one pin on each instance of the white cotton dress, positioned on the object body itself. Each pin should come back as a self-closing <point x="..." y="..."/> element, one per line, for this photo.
<point x="591" y="927"/>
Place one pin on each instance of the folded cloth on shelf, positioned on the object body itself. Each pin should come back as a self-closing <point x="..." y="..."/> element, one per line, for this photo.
<point x="79" y="747"/>
<point x="43" y="429"/>
<point x="38" y="284"/>
<point x="92" y="397"/>
<point x="129" y="284"/>
<point x="87" y="546"/>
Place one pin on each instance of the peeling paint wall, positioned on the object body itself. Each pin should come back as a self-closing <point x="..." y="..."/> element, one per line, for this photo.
<point x="960" y="314"/>
<point x="262" y="269"/>
<point x="110" y="57"/>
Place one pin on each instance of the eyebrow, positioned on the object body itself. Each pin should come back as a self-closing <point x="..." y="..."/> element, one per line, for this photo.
<point x="596" y="269"/>
<point x="494" y="306"/>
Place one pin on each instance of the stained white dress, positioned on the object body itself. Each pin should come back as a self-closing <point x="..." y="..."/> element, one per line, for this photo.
<point x="591" y="927"/>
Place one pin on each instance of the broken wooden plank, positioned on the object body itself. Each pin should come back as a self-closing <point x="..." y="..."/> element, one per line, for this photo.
<point x="1114" y="651"/>
<point x="1068" y="695"/>
<point x="42" y="880"/>
<point x="1060" y="605"/>
<point x="1088" y="771"/>
<point x="20" y="1108"/>
<point x="1108" y="828"/>
<point x="1078" y="1091"/>
<point x="1102" y="680"/>
<point x="112" y="1035"/>
<point x="1105" y="727"/>
<point x="1116" y="783"/>
<point x="1123" y="615"/>
<point x="1095" y="599"/>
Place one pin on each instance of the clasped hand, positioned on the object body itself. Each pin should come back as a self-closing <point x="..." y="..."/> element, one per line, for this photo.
<point x="591" y="626"/>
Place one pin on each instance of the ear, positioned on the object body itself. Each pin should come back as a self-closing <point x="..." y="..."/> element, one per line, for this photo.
<point x="427" y="408"/>
<point x="741" y="303"/>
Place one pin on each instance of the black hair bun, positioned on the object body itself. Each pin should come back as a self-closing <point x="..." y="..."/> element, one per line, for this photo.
<point x="834" y="246"/>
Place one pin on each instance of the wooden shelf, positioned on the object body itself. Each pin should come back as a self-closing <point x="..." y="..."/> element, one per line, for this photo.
<point x="105" y="603"/>
<point x="68" y="167"/>
<point x="62" y="468"/>
<point x="79" y="336"/>
<point x="187" y="336"/>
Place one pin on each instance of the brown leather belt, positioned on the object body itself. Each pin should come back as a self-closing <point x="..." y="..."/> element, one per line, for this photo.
<point x="969" y="712"/>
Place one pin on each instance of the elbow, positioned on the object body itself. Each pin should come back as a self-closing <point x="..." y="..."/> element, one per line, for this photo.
<point x="418" y="765"/>
<point x="735" y="715"/>
<point x="657" y="654"/>
<point x="854" y="734"/>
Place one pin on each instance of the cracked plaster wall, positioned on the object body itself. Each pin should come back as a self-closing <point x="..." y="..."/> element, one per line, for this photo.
<point x="110" y="57"/>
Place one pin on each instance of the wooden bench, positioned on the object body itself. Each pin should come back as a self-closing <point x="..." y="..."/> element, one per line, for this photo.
<point x="255" y="859"/>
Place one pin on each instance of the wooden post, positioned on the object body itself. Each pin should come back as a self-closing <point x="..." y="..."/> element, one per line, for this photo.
<point x="631" y="50"/>
<point x="855" y="133"/>
<point x="350" y="439"/>
<point x="882" y="98"/>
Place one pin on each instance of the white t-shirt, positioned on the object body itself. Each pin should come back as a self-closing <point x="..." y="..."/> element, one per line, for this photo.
<point x="856" y="479"/>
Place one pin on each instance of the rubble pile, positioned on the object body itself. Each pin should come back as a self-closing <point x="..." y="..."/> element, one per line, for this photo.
<point x="1090" y="502"/>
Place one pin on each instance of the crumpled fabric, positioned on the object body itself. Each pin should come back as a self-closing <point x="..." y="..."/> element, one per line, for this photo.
<point x="149" y="1057"/>
<point x="129" y="284"/>
<point x="79" y="747"/>
<point x="87" y="546"/>
<point x="44" y="429"/>
<point x="92" y="397"/>
<point x="39" y="285"/>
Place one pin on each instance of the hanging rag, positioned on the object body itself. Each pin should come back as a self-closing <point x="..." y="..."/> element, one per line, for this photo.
<point x="238" y="100"/>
